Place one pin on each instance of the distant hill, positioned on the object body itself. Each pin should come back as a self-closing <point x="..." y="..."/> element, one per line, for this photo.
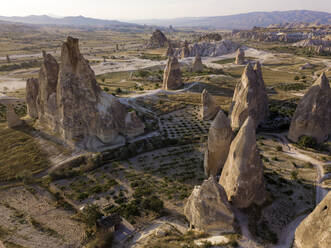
<point x="76" y="21"/>
<point x="244" y="21"/>
<point x="10" y="27"/>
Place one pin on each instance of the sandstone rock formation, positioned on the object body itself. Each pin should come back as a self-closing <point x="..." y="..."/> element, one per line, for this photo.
<point x="208" y="209"/>
<point x="197" y="64"/>
<point x="240" y="57"/>
<point x="12" y="119"/>
<point x="313" y="114"/>
<point x="207" y="49"/>
<point x="170" y="51"/>
<point x="219" y="141"/>
<point x="172" y="77"/>
<point x="209" y="107"/>
<point x="315" y="231"/>
<point x="68" y="101"/>
<point x="242" y="175"/>
<point x="157" y="40"/>
<point x="250" y="98"/>
<point x="32" y="89"/>
<point x="185" y="51"/>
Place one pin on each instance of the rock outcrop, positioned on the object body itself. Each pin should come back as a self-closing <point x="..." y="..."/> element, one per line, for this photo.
<point x="250" y="98"/>
<point x="313" y="114"/>
<point x="172" y="77"/>
<point x="32" y="90"/>
<point x="185" y="51"/>
<point x="157" y="40"/>
<point x="170" y="51"/>
<point x="242" y="175"/>
<point x="209" y="108"/>
<point x="69" y="102"/>
<point x="207" y="49"/>
<point x="197" y="64"/>
<point x="208" y="209"/>
<point x="240" y="57"/>
<point x="315" y="231"/>
<point x="12" y="119"/>
<point x="219" y="141"/>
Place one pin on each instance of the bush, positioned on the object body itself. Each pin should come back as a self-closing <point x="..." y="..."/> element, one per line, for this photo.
<point x="296" y="78"/>
<point x="307" y="142"/>
<point x="91" y="214"/>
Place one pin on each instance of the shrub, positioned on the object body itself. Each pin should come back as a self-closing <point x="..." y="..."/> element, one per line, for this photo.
<point x="91" y="214"/>
<point x="307" y="142"/>
<point x="296" y="78"/>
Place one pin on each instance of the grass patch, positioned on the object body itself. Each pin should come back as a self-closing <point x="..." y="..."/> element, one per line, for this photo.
<point x="20" y="153"/>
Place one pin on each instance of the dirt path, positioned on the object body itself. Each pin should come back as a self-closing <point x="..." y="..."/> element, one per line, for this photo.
<point x="287" y="235"/>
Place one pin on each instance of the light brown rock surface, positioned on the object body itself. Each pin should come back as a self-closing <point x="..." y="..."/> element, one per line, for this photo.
<point x="197" y="64"/>
<point x="249" y="98"/>
<point x="157" y="40"/>
<point x="172" y="77"/>
<point x="313" y="114"/>
<point x="209" y="108"/>
<point x="70" y="102"/>
<point x="207" y="49"/>
<point x="219" y="141"/>
<point x="47" y="83"/>
<point x="240" y="57"/>
<point x="242" y="175"/>
<point x="12" y="119"/>
<point x="208" y="209"/>
<point x="315" y="230"/>
<point x="32" y="90"/>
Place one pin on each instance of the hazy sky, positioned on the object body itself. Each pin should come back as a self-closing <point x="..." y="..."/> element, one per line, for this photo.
<point x="146" y="9"/>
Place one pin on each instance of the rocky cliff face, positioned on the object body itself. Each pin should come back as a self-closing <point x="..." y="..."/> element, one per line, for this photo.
<point x="219" y="141"/>
<point x="70" y="102"/>
<point x="315" y="231"/>
<point x="157" y="40"/>
<point x="172" y="77"/>
<point x="313" y="114"/>
<point x="32" y="89"/>
<point x="209" y="107"/>
<point x="242" y="175"/>
<point x="250" y="98"/>
<point x="207" y="208"/>
<point x="207" y="49"/>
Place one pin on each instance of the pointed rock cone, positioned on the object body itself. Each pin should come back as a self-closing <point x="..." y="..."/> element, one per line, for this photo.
<point x="219" y="141"/>
<point x="314" y="231"/>
<point x="209" y="107"/>
<point x="313" y="114"/>
<point x="240" y="57"/>
<point x="12" y="119"/>
<point x="172" y="77"/>
<point x="208" y="209"/>
<point x="249" y="98"/>
<point x="242" y="175"/>
<point x="197" y="64"/>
